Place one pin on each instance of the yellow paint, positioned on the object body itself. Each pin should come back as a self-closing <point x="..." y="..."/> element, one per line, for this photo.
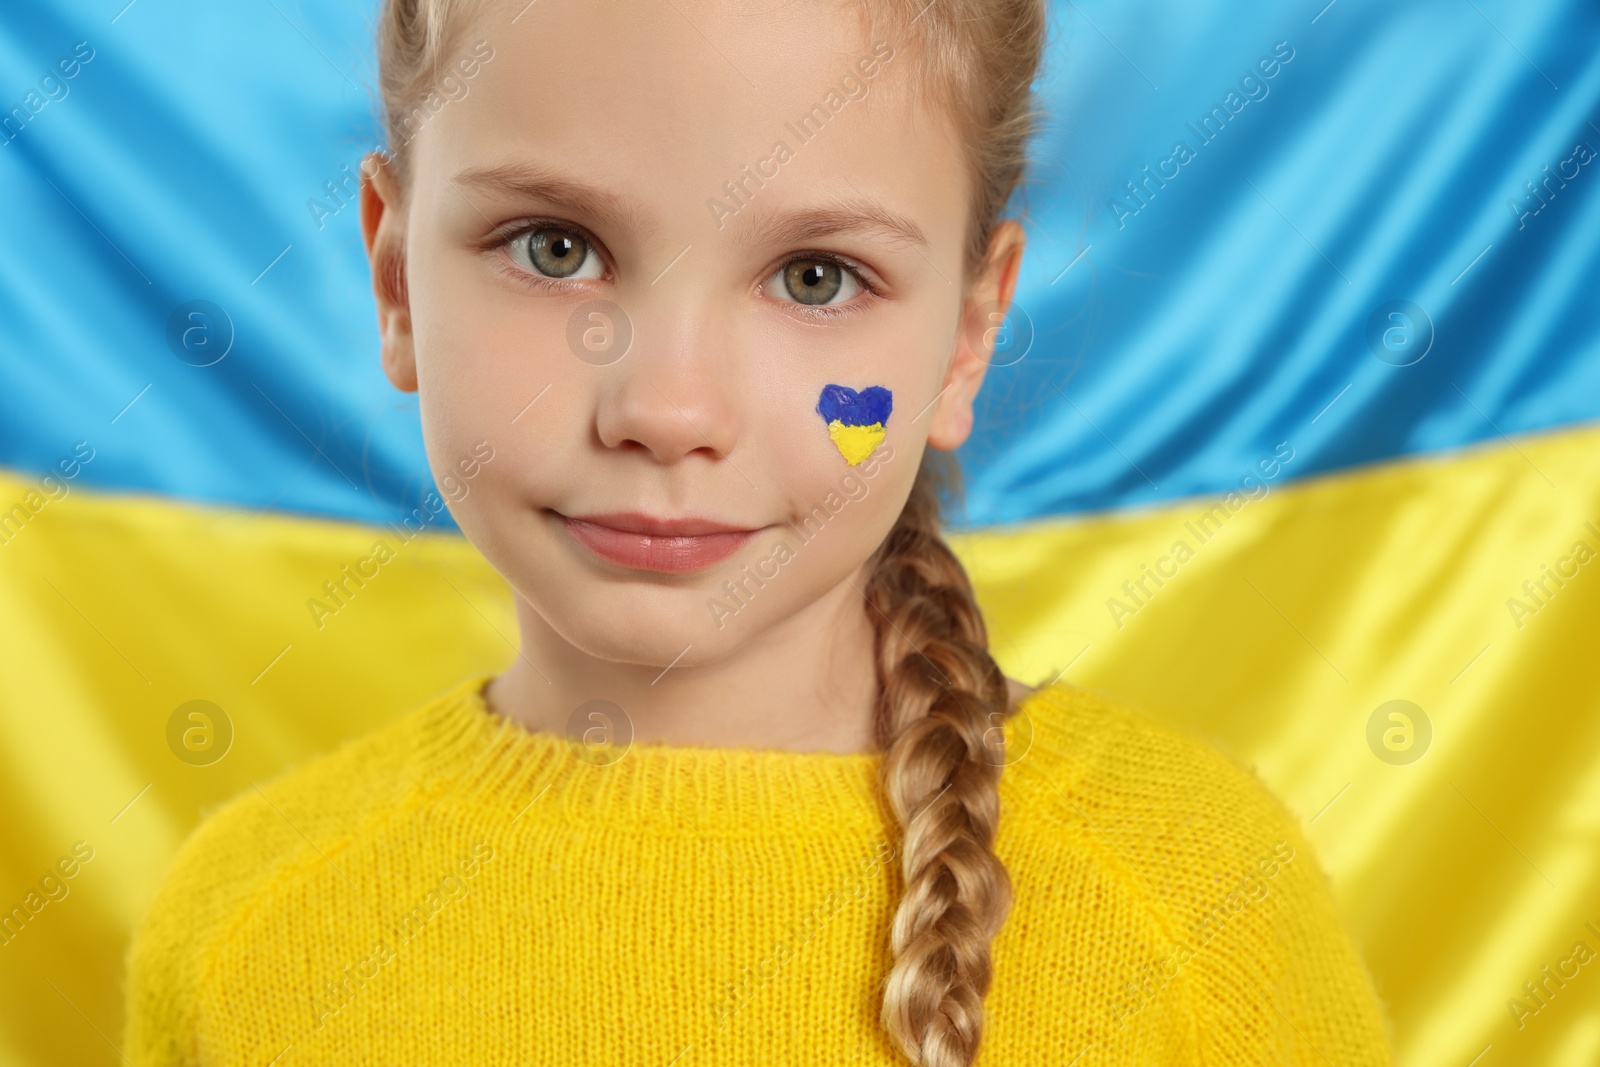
<point x="855" y="443"/>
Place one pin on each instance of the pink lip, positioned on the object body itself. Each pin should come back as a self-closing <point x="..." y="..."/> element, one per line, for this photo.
<point x="672" y="546"/>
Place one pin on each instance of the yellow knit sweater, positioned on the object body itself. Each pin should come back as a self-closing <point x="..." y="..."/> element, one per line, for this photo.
<point x="455" y="889"/>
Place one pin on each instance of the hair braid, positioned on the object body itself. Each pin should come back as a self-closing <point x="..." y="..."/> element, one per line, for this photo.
<point x="941" y="692"/>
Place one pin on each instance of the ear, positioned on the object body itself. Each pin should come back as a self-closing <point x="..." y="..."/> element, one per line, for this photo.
<point x="383" y="230"/>
<point x="983" y="309"/>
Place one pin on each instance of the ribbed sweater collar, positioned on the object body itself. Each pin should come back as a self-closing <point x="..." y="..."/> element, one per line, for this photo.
<point x="467" y="750"/>
<point x="653" y="787"/>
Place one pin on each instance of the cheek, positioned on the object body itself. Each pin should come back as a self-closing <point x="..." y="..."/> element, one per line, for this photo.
<point x="856" y="503"/>
<point x="483" y="349"/>
<point x="828" y="390"/>
<point x="537" y="461"/>
<point x="893" y="359"/>
<point x="492" y="368"/>
<point x="841" y="515"/>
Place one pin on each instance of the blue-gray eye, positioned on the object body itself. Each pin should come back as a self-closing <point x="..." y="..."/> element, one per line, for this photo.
<point x="555" y="253"/>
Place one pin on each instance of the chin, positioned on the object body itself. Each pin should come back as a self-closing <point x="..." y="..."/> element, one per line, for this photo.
<point x="661" y="625"/>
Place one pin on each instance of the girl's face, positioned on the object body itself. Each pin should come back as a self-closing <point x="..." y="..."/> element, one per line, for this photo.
<point x="640" y="241"/>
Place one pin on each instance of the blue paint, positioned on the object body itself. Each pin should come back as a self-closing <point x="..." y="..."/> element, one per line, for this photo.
<point x="868" y="407"/>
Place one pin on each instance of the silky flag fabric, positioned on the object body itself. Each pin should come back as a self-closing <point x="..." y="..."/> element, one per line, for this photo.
<point x="1292" y="436"/>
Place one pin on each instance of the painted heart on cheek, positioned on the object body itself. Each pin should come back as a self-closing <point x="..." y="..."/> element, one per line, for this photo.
<point x="855" y="420"/>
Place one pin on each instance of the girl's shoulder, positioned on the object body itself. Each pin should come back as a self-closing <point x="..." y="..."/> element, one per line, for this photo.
<point x="263" y="836"/>
<point x="1115" y="812"/>
<point x="1089" y="742"/>
<point x="1170" y="812"/>
<point x="309" y="807"/>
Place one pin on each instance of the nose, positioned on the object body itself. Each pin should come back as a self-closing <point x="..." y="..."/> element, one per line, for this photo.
<point x="676" y="391"/>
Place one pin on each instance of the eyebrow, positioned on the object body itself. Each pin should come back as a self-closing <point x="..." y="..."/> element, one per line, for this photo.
<point x="857" y="214"/>
<point x="531" y="182"/>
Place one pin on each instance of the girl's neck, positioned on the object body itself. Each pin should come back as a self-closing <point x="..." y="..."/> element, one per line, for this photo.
<point x="806" y="683"/>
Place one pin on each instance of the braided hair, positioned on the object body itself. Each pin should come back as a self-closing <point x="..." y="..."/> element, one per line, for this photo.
<point x="940" y="695"/>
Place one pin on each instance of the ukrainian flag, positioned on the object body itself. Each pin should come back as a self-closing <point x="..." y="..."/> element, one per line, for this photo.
<point x="1291" y="438"/>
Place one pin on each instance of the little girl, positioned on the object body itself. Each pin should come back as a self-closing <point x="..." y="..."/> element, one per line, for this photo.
<point x="699" y="297"/>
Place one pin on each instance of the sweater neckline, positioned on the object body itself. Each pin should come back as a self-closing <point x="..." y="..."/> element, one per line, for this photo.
<point x="658" y="788"/>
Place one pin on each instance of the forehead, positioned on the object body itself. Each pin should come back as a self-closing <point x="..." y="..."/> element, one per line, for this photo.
<point x="667" y="102"/>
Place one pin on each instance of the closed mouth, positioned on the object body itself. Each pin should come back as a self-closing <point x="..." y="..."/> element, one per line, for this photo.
<point x="642" y="542"/>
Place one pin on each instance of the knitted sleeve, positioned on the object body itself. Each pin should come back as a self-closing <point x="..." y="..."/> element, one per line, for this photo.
<point x="215" y="869"/>
<point x="1276" y="967"/>
<point x="1271" y="970"/>
<point x="230" y="857"/>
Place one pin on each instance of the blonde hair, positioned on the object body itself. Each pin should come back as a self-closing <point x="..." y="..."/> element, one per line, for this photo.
<point x="941" y="694"/>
